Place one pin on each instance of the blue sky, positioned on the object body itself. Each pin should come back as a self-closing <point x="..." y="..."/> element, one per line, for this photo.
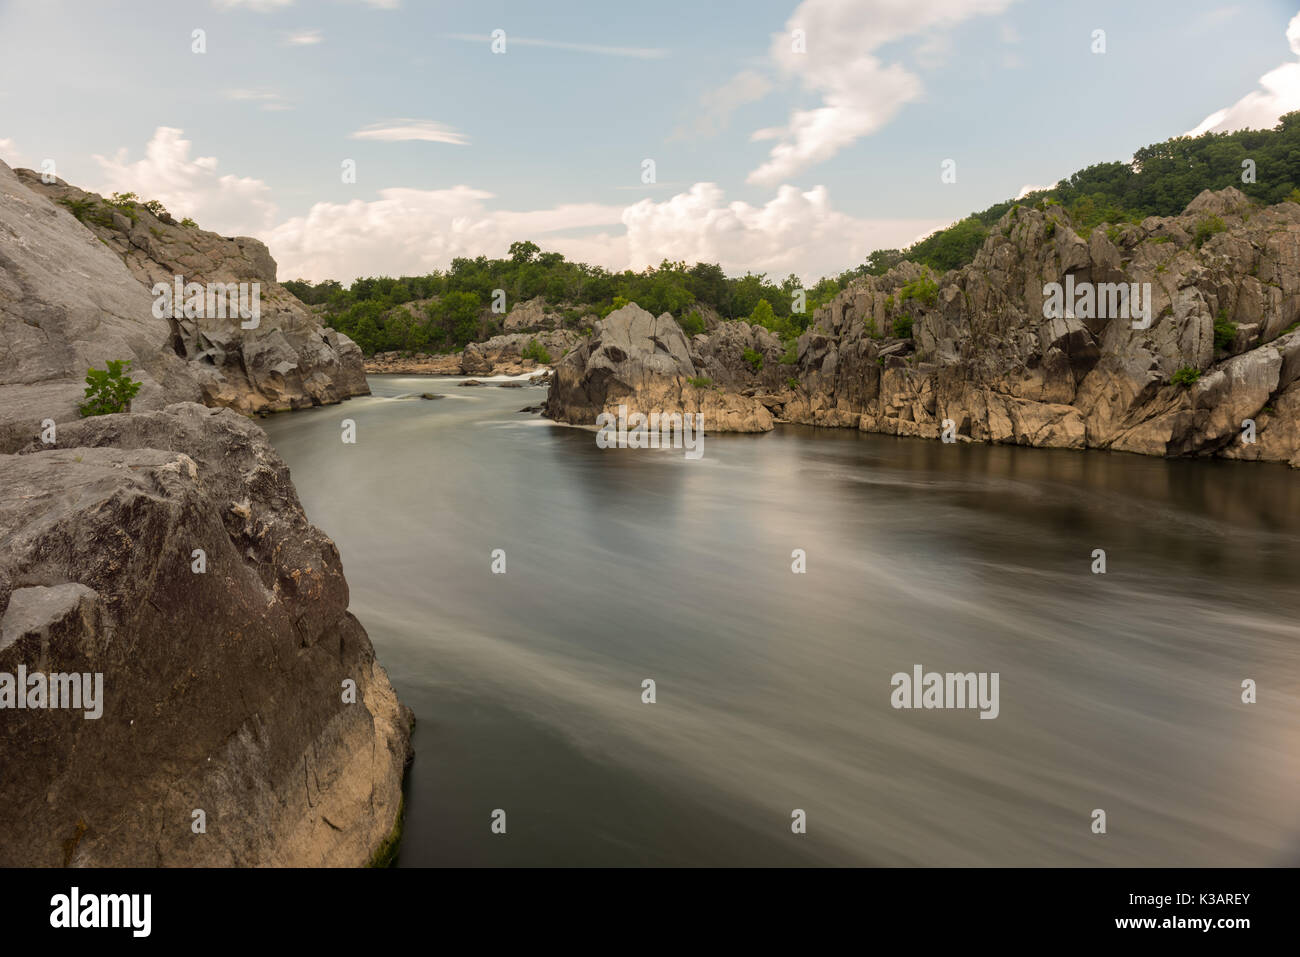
<point x="765" y="157"/>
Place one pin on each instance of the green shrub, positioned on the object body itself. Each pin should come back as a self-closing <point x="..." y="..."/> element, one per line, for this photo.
<point x="1050" y="229"/>
<point x="693" y="324"/>
<point x="109" y="390"/>
<point x="189" y="223"/>
<point x="792" y="382"/>
<point x="755" y="359"/>
<point x="903" y="326"/>
<point x="535" y="351"/>
<point x="1186" y="376"/>
<point x="923" y="289"/>
<point x="791" y="355"/>
<point x="699" y="381"/>
<point x="1206" y="228"/>
<point x="1225" y="331"/>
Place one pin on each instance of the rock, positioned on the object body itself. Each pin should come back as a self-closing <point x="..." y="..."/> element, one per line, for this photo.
<point x="503" y="355"/>
<point x="222" y="690"/>
<point x="68" y="304"/>
<point x="510" y="384"/>
<point x="644" y="362"/>
<point x="987" y="356"/>
<point x="470" y="382"/>
<point x="430" y="395"/>
<point x="287" y="361"/>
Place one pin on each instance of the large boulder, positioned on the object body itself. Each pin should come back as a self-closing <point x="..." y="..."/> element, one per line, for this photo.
<point x="223" y="688"/>
<point x="165" y="549"/>
<point x="644" y="362"/>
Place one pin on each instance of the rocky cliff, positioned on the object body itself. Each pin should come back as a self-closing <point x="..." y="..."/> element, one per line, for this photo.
<point x="165" y="550"/>
<point x="646" y="363"/>
<point x="286" y="361"/>
<point x="903" y="352"/>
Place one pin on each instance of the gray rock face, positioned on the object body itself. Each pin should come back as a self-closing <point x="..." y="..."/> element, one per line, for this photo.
<point x="644" y="362"/>
<point x="68" y="304"/>
<point x="222" y="691"/>
<point x="288" y="361"/>
<point x="983" y="355"/>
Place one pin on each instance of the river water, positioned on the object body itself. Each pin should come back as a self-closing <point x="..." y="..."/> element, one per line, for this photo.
<point x="1120" y="692"/>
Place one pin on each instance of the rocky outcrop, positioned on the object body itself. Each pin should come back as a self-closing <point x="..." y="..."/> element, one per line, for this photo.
<point x="987" y="359"/>
<point x="287" y="361"/>
<point x="67" y="304"/>
<point x="165" y="549"/>
<point x="224" y="688"/>
<point x="419" y="363"/>
<point x="1214" y="369"/>
<point x="645" y="363"/>
<point x="503" y="355"/>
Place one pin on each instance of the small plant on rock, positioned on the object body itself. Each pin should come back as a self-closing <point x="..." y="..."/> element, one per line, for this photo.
<point x="109" y="390"/>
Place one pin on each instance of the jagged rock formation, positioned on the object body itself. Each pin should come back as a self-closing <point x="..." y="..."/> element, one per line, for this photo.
<point x="288" y="361"/>
<point x="987" y="359"/>
<point x="983" y="355"/>
<point x="67" y="304"/>
<point x="644" y="362"/>
<point x="223" y="689"/>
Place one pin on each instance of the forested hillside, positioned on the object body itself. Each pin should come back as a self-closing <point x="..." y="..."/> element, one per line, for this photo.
<point x="452" y="308"/>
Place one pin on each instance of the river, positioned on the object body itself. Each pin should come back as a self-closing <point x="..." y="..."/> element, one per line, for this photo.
<point x="1119" y="692"/>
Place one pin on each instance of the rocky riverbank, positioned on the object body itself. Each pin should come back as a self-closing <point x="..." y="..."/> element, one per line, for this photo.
<point x="499" y="355"/>
<point x="245" y="720"/>
<point x="1214" y="369"/>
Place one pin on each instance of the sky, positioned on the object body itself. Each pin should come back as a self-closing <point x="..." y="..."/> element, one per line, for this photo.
<point x="773" y="137"/>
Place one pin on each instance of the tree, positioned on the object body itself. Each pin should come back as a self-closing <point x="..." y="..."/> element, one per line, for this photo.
<point x="523" y="252"/>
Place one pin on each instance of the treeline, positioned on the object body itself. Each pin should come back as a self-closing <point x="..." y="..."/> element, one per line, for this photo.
<point x="1161" y="181"/>
<point x="368" y="310"/>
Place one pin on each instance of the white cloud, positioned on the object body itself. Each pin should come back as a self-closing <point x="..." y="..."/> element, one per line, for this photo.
<point x="304" y="38"/>
<point x="641" y="53"/>
<point x="859" y="94"/>
<point x="395" y="131"/>
<point x="412" y="231"/>
<point x="717" y="105"/>
<point x="10" y="154"/>
<point x="268" y="100"/>
<point x="232" y="205"/>
<point x="795" y="231"/>
<point x="1259" y="110"/>
<point x="1031" y="188"/>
